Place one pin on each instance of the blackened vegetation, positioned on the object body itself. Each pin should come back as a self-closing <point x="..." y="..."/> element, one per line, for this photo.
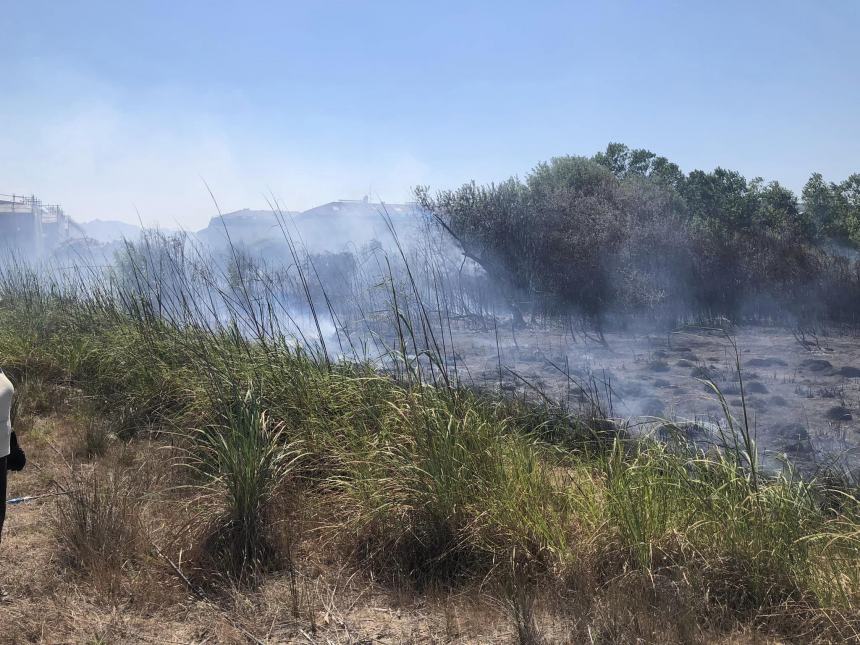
<point x="626" y="231"/>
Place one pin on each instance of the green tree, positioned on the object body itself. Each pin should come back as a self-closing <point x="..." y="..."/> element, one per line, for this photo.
<point x="721" y="201"/>
<point x="779" y="211"/>
<point x="616" y="158"/>
<point x="847" y="201"/>
<point x="819" y="206"/>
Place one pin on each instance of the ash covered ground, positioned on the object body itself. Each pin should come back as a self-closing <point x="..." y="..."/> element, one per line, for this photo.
<point x="802" y="392"/>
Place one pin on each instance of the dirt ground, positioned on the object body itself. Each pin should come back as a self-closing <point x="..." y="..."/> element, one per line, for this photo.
<point x="47" y="599"/>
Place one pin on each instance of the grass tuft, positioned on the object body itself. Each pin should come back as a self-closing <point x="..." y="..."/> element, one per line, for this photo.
<point x="98" y="525"/>
<point x="243" y="464"/>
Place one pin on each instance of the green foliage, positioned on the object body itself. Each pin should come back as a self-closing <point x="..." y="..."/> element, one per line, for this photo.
<point x="627" y="231"/>
<point x="451" y="489"/>
<point x="243" y="461"/>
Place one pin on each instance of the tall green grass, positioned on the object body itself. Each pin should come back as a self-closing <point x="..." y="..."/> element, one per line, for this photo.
<point x="243" y="462"/>
<point x="422" y="479"/>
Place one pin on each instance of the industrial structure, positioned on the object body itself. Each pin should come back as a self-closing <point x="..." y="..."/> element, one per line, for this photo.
<point x="32" y="229"/>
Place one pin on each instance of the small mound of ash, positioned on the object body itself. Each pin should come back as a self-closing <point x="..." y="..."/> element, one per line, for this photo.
<point x="816" y="365"/>
<point x="765" y="362"/>
<point x="756" y="387"/>
<point x="839" y="413"/>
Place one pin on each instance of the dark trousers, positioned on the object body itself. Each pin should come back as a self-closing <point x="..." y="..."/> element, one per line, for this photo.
<point x="2" y="494"/>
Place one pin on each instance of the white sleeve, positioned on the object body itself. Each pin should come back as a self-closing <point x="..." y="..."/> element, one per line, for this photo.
<point x="6" y="393"/>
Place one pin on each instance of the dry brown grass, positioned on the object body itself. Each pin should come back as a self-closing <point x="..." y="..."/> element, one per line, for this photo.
<point x="99" y="528"/>
<point x="83" y="568"/>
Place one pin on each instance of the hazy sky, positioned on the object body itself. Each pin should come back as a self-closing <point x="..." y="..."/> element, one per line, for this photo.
<point x="115" y="107"/>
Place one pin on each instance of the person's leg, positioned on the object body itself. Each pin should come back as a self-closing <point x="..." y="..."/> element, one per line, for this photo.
<point x="3" y="595"/>
<point x="2" y="495"/>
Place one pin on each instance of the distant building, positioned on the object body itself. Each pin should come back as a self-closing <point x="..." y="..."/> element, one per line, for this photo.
<point x="31" y="229"/>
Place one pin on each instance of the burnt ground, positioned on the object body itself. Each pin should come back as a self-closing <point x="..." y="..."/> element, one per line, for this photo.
<point x="802" y="393"/>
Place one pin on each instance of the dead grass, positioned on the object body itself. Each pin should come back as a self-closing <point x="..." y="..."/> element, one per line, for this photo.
<point x="93" y="579"/>
<point x="87" y="570"/>
<point x="94" y="439"/>
<point x="98" y="524"/>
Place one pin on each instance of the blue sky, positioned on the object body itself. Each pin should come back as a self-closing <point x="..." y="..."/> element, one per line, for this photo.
<point x="118" y="108"/>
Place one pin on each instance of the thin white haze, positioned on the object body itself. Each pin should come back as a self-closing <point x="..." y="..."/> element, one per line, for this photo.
<point x="103" y="159"/>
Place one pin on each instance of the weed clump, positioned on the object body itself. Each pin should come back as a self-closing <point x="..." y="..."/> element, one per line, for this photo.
<point x="241" y="465"/>
<point x="95" y="438"/>
<point x="99" y="528"/>
<point x="450" y="494"/>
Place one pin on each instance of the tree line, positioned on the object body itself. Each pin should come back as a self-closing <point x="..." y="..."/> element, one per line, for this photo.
<point x="627" y="231"/>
